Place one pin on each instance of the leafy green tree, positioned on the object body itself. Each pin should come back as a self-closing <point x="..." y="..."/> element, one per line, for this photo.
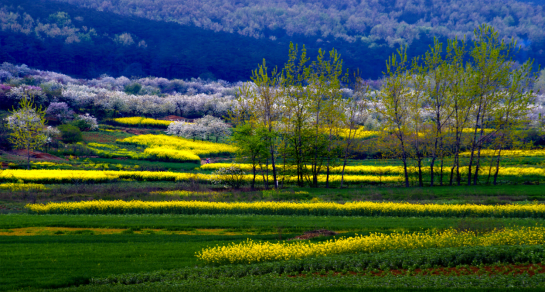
<point x="392" y="104"/>
<point x="261" y="103"/>
<point x="252" y="147"/>
<point x="515" y="103"/>
<point x="434" y="79"/>
<point x="70" y="133"/>
<point x="26" y="125"/>
<point x="356" y="109"/>
<point x="491" y="58"/>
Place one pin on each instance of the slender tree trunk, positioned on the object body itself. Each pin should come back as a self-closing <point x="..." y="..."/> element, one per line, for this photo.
<point x="474" y="142"/>
<point x="442" y="170"/>
<point x="345" y="159"/>
<point x="498" y="166"/>
<point x="343" y="171"/>
<point x="478" y="155"/>
<point x="253" y="176"/>
<point x="419" y="165"/>
<point x="406" y="171"/>
<point x="266" y="174"/>
<point x="28" y="156"/>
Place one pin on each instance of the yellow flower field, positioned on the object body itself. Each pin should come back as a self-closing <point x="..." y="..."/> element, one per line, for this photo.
<point x="253" y="252"/>
<point x="153" y="153"/>
<point x="177" y="143"/>
<point x="136" y="121"/>
<point x="394" y="170"/>
<point x="70" y="176"/>
<point x="171" y="154"/>
<point x="289" y="208"/>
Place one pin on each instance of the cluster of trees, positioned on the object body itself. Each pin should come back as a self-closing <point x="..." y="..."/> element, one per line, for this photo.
<point x="108" y="97"/>
<point x="204" y="128"/>
<point x="113" y="38"/>
<point x="463" y="95"/>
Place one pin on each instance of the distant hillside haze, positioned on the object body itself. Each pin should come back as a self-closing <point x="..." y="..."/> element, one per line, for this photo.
<point x="220" y="39"/>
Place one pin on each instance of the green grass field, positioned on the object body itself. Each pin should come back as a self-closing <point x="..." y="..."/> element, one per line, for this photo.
<point x="158" y="251"/>
<point x="64" y="260"/>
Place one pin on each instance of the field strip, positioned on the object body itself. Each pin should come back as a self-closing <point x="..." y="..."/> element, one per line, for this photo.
<point x="534" y="210"/>
<point x="34" y="231"/>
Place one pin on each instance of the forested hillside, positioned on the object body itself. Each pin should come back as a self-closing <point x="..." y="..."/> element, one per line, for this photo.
<point x="226" y="39"/>
<point x="394" y="21"/>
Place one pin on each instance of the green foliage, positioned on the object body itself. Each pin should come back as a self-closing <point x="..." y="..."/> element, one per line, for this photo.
<point x="70" y="133"/>
<point x="133" y="88"/>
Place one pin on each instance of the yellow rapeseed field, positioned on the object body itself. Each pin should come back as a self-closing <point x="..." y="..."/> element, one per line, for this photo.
<point x="177" y="143"/>
<point x="136" y="121"/>
<point x="289" y="208"/>
<point x="58" y="176"/>
<point x="253" y="252"/>
<point x="396" y="170"/>
<point x="70" y="176"/>
<point x="171" y="154"/>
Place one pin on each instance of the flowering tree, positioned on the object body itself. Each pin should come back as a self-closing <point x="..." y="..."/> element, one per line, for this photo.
<point x="86" y="122"/>
<point x="231" y="176"/>
<point x="27" y="125"/>
<point x="202" y="128"/>
<point x="213" y="126"/>
<point x="61" y="111"/>
<point x="50" y="132"/>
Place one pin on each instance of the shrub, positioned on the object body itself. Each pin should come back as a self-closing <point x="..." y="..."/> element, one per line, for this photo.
<point x="86" y="122"/>
<point x="133" y="88"/>
<point x="70" y="133"/>
<point x="232" y="176"/>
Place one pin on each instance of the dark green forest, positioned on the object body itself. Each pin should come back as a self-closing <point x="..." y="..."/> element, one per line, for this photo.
<point x="150" y="38"/>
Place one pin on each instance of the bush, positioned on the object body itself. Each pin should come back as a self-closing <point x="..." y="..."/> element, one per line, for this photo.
<point x="232" y="176"/>
<point x="133" y="88"/>
<point x="70" y="133"/>
<point x="86" y="123"/>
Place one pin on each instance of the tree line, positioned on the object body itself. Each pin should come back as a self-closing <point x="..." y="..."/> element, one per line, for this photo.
<point x="462" y="95"/>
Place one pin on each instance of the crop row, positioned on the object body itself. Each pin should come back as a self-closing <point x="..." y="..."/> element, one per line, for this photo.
<point x="289" y="208"/>
<point x="70" y="176"/>
<point x="396" y="170"/>
<point x="141" y="121"/>
<point x="254" y="252"/>
<point x="359" y="262"/>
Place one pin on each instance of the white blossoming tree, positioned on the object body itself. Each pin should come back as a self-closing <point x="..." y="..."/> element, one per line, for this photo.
<point x="26" y="125"/>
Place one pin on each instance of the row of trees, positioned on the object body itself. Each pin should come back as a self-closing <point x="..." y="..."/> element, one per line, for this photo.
<point x="482" y="92"/>
<point x="460" y="96"/>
